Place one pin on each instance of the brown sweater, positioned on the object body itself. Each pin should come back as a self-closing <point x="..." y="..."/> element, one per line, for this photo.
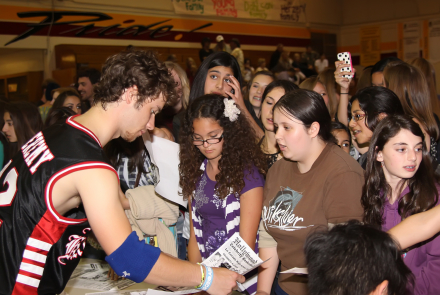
<point x="296" y="204"/>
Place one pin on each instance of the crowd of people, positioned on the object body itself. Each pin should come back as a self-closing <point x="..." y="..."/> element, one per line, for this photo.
<point x="313" y="169"/>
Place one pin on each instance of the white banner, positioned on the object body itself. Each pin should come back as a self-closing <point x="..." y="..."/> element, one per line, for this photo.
<point x="287" y="10"/>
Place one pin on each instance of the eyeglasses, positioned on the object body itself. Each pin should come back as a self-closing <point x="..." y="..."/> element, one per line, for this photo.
<point x="358" y="117"/>
<point x="199" y="142"/>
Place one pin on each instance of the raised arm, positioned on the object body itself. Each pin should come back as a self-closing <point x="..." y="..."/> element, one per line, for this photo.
<point x="417" y="228"/>
<point x="345" y="87"/>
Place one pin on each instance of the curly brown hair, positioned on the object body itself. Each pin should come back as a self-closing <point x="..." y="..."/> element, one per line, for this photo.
<point x="239" y="155"/>
<point x="134" y="68"/>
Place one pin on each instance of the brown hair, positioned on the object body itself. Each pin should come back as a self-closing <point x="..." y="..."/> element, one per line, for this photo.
<point x="327" y="78"/>
<point x="410" y="85"/>
<point x="240" y="149"/>
<point x="183" y="80"/>
<point x="134" y="68"/>
<point x="429" y="72"/>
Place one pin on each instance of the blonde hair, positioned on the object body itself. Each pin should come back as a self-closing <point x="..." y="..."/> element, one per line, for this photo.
<point x="183" y="80"/>
<point x="429" y="72"/>
<point x="309" y="83"/>
<point x="410" y="85"/>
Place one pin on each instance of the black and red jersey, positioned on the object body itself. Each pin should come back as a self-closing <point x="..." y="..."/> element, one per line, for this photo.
<point x="39" y="248"/>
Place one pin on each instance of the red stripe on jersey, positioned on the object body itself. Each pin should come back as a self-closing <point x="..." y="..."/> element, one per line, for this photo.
<point x="48" y="230"/>
<point x="78" y="126"/>
<point x="66" y="171"/>
<point x="1" y="222"/>
<point x="21" y="289"/>
<point x="25" y="260"/>
<point x="36" y="250"/>
<point x="29" y="274"/>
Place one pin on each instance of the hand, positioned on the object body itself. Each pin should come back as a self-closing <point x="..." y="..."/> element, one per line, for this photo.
<point x="343" y="82"/>
<point x="224" y="281"/>
<point x="237" y="97"/>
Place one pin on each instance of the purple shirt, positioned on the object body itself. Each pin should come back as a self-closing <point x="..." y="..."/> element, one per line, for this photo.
<point x="212" y="210"/>
<point x="423" y="260"/>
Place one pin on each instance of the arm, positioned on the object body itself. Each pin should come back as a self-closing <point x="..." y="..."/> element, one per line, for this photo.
<point x="111" y="227"/>
<point x="193" y="249"/>
<point x="417" y="228"/>
<point x="345" y="87"/>
<point x="251" y="204"/>
<point x="268" y="270"/>
<point x="238" y="98"/>
<point x="124" y="201"/>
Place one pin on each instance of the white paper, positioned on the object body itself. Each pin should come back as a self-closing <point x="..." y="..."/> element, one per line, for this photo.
<point x="234" y="254"/>
<point x="297" y="270"/>
<point x="94" y="277"/>
<point x="165" y="155"/>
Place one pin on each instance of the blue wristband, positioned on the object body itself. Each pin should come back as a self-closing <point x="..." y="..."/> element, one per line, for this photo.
<point x="209" y="277"/>
<point x="133" y="259"/>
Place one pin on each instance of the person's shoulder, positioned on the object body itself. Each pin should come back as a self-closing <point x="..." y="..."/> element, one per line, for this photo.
<point x="339" y="161"/>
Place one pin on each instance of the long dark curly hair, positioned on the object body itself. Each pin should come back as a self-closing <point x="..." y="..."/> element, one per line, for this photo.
<point x="422" y="195"/>
<point x="239" y="155"/>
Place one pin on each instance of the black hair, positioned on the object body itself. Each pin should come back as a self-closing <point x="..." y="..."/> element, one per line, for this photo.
<point x="236" y="41"/>
<point x="48" y="90"/>
<point x="93" y="74"/>
<point x="375" y="100"/>
<point x="339" y="126"/>
<point x="353" y="259"/>
<point x="205" y="39"/>
<point x="381" y="64"/>
<point x="308" y="107"/>
<point x="285" y="84"/>
<point x="222" y="59"/>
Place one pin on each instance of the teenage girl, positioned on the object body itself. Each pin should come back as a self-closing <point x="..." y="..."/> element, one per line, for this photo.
<point x="273" y="92"/>
<point x="221" y="174"/>
<point x="256" y="89"/>
<point x="22" y="122"/>
<point x="220" y="74"/>
<point x="400" y="182"/>
<point x="315" y="184"/>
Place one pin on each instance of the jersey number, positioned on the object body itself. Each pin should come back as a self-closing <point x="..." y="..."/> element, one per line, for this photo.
<point x="7" y="196"/>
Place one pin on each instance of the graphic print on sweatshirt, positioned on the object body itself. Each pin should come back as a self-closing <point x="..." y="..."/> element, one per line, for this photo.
<point x="280" y="214"/>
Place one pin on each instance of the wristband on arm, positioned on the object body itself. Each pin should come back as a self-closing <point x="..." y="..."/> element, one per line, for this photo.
<point x="133" y="259"/>
<point x="209" y="277"/>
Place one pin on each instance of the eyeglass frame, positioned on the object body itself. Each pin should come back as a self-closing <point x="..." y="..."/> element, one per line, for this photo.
<point x="360" y="117"/>
<point x="219" y="139"/>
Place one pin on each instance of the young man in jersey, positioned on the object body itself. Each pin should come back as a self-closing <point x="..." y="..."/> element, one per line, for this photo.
<point x="62" y="174"/>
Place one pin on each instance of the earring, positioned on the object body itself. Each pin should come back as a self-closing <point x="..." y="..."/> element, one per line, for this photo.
<point x="382" y="164"/>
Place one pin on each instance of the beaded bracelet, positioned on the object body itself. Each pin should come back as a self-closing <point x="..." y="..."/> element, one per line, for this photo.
<point x="203" y="276"/>
<point x="208" y="279"/>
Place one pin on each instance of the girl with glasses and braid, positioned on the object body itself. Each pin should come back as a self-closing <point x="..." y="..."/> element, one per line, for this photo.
<point x="222" y="172"/>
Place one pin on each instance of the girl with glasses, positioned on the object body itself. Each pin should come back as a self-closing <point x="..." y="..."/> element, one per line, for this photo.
<point x="222" y="174"/>
<point x="367" y="107"/>
<point x="400" y="182"/>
